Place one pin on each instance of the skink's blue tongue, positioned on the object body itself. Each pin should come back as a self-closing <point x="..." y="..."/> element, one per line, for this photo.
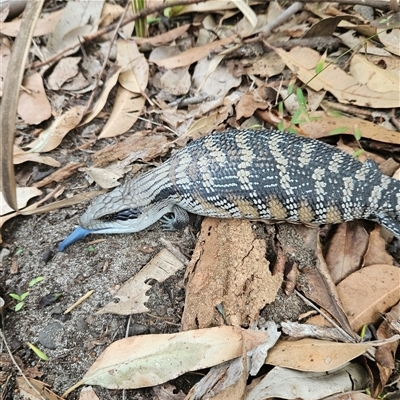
<point x="77" y="234"/>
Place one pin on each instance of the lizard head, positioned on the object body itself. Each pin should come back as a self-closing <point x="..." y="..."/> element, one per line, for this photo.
<point x="120" y="211"/>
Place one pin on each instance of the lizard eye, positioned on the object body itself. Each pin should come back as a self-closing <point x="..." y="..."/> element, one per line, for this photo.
<point x="123" y="215"/>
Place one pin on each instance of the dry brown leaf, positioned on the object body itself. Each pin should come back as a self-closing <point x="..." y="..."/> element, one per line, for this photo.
<point x="111" y="81"/>
<point x="265" y="66"/>
<point x="87" y="393"/>
<point x="21" y="156"/>
<point x="200" y="128"/>
<point x="212" y="79"/>
<point x="319" y="287"/>
<point x="104" y="178"/>
<point x="56" y="205"/>
<point x="288" y="384"/>
<point x="140" y="145"/>
<point x="127" y="109"/>
<point x="28" y="393"/>
<point x="390" y="39"/>
<point x="51" y="137"/>
<point x="60" y="175"/>
<point x="65" y="69"/>
<point x="350" y="396"/>
<point x="346" y="250"/>
<point x="24" y="194"/>
<point x="385" y="355"/>
<point x="44" y="26"/>
<point x="314" y="355"/>
<point x="323" y="124"/>
<point x="376" y="252"/>
<point x="368" y="293"/>
<point x="131" y="297"/>
<point x="164" y="38"/>
<point x="5" y="53"/>
<point x="190" y="56"/>
<point x="376" y="78"/>
<point x="33" y="106"/>
<point x="213" y="5"/>
<point x="135" y="74"/>
<point x="228" y="268"/>
<point x="250" y="102"/>
<point x="302" y="61"/>
<point x="77" y="20"/>
<point x="176" y="81"/>
<point x="159" y="358"/>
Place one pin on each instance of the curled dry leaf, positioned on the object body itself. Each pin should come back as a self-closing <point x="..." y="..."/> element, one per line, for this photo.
<point x="131" y="297"/>
<point x="33" y="105"/>
<point x="51" y="137"/>
<point x="303" y="61"/>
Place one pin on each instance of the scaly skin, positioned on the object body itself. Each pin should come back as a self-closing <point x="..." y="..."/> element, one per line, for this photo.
<point x="248" y="174"/>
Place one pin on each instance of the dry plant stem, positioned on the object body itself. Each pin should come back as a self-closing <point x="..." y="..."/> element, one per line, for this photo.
<point x="330" y="320"/>
<point x="144" y="13"/>
<point x="81" y="300"/>
<point x="175" y="251"/>
<point x="348" y="109"/>
<point x="293" y="9"/>
<point x="8" y="110"/>
<point x="17" y="366"/>
<point x="103" y="67"/>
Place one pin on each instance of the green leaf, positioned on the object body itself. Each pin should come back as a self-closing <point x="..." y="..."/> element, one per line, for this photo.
<point x="23" y="296"/>
<point x="19" y="306"/>
<point x="320" y="66"/>
<point x="19" y="251"/>
<point x="339" y="130"/>
<point x="34" y="281"/>
<point x="38" y="352"/>
<point x="90" y="248"/>
<point x="297" y="116"/>
<point x="357" y="133"/>
<point x="358" y="152"/>
<point x="280" y="126"/>
<point x="290" y="88"/>
<point x="15" y="296"/>
<point x="301" y="99"/>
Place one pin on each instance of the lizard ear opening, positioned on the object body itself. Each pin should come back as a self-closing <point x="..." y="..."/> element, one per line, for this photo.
<point x="123" y="215"/>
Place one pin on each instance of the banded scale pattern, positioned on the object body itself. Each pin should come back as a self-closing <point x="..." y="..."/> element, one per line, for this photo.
<point x="251" y="174"/>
